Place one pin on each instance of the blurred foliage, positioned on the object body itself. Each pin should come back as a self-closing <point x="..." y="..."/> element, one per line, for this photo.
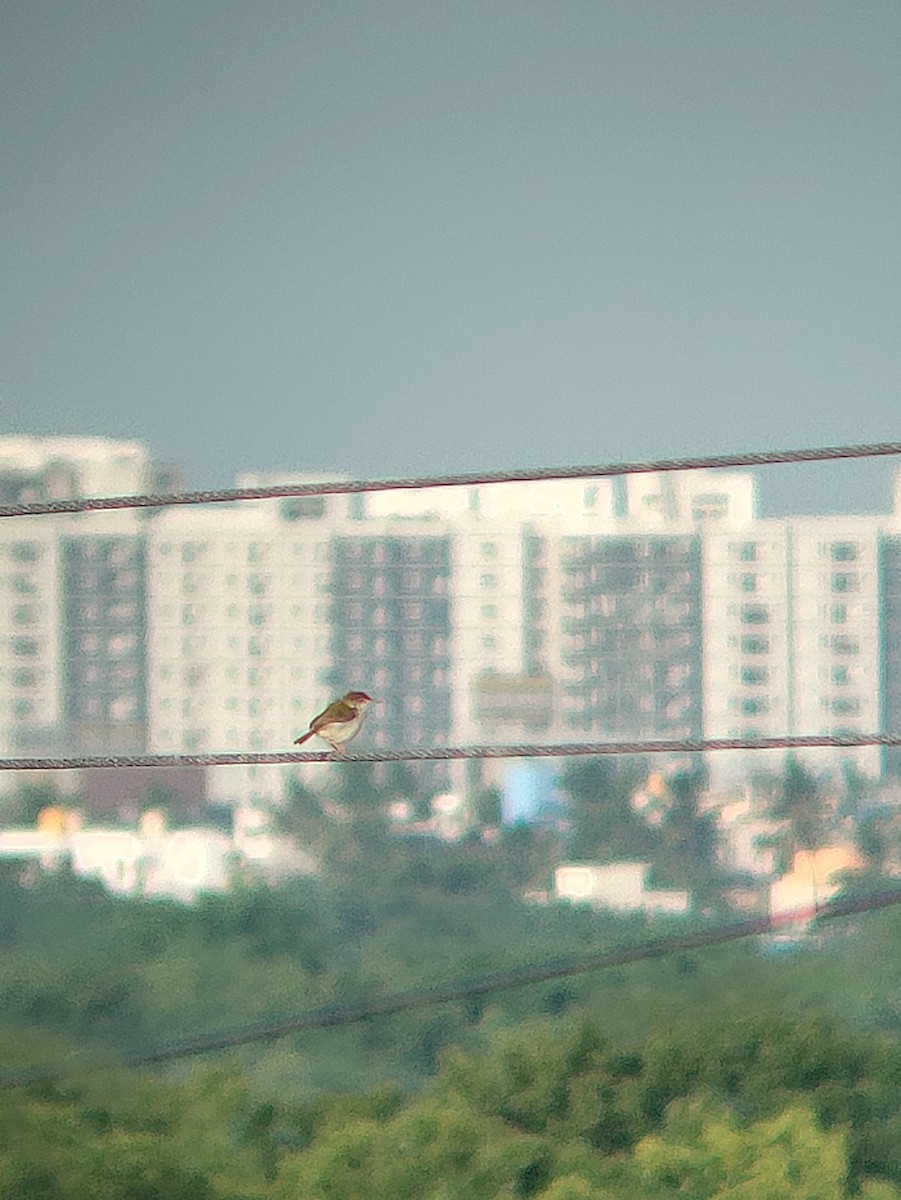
<point x="719" y="1073"/>
<point x="728" y="1111"/>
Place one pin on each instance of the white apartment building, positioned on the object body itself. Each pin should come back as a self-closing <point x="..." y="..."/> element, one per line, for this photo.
<point x="31" y="659"/>
<point x="237" y="638"/>
<point x="39" y="636"/>
<point x="35" y="469"/>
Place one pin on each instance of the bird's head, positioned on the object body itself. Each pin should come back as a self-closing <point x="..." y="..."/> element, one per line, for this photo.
<point x="358" y="700"/>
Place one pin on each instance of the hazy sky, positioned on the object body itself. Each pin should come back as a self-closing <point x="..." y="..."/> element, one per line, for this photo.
<point x="405" y="237"/>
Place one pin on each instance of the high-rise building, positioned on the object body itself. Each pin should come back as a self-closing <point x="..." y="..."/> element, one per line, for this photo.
<point x="649" y="606"/>
<point x="52" y="685"/>
<point x="631" y="630"/>
<point x="37" y="469"/>
<point x="103" y="593"/>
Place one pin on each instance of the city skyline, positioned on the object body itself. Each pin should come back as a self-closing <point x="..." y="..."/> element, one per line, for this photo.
<point x="645" y="606"/>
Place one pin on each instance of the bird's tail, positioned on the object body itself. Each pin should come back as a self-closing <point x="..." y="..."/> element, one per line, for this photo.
<point x="300" y="741"/>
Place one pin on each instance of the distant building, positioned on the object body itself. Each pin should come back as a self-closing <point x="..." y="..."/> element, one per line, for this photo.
<point x="37" y="469"/>
<point x="153" y="860"/>
<point x="529" y="794"/>
<point x="390" y="632"/>
<point x="646" y="606"/>
<point x="40" y="667"/>
<point x="103" y="592"/>
<point x="811" y="881"/>
<point x="620" y="887"/>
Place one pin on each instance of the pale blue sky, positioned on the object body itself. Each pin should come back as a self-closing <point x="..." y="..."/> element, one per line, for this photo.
<point x="402" y="236"/>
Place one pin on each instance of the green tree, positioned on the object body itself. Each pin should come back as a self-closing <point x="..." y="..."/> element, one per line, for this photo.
<point x="702" y="1153"/>
<point x="603" y="824"/>
<point x="487" y="807"/>
<point x="798" y="801"/>
<point x="303" y="818"/>
<point x="857" y="788"/>
<point x="686" y="854"/>
<point x="23" y="805"/>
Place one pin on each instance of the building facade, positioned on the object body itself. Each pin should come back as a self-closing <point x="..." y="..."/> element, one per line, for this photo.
<point x="649" y="606"/>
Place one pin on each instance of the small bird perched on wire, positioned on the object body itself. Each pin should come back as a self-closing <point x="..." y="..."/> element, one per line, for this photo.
<point x="340" y="722"/>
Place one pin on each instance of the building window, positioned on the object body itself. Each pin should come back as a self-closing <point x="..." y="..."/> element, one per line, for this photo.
<point x="754" y="675"/>
<point x="715" y="504"/>
<point x="489" y="581"/>
<point x="755" y="645"/>
<point x="748" y="552"/>
<point x="303" y="508"/>
<point x="846" y="705"/>
<point x="839" y="614"/>
<point x="755" y="706"/>
<point x="25" y="551"/>
<point x="123" y="708"/>
<point x="489" y="550"/>
<point x="844" y="551"/>
<point x="841" y="675"/>
<point x="844" y="643"/>
<point x="846" y="581"/>
<point x="125" y="581"/>
<point x="755" y="614"/>
<point x="749" y="583"/>
<point x="122" y="644"/>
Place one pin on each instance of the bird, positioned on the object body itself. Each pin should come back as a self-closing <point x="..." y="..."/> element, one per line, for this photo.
<point x="340" y="722"/>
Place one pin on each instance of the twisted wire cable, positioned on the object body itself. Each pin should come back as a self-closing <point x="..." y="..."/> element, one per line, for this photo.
<point x="462" y="479"/>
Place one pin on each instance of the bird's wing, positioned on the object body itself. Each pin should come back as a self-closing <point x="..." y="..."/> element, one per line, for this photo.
<point x="337" y="711"/>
